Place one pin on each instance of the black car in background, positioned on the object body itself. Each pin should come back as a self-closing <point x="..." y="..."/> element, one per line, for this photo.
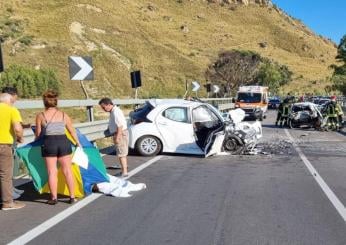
<point x="274" y="103"/>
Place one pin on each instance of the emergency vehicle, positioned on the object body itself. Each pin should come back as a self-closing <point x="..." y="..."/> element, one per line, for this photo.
<point x="253" y="100"/>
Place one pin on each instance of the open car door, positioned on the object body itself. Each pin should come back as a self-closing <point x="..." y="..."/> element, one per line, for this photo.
<point x="208" y="127"/>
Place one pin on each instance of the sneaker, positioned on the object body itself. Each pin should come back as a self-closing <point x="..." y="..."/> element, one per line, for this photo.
<point x="20" y="192"/>
<point x="15" y="195"/>
<point x="13" y="206"/>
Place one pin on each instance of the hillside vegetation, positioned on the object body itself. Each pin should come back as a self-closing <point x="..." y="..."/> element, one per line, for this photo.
<point x="169" y="41"/>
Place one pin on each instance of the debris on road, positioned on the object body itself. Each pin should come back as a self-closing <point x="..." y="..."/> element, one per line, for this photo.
<point x="277" y="147"/>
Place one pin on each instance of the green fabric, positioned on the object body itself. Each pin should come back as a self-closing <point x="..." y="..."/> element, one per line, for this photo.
<point x="96" y="160"/>
<point x="38" y="171"/>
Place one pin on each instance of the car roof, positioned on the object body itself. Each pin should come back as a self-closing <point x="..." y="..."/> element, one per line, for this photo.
<point x="304" y="104"/>
<point x="173" y="102"/>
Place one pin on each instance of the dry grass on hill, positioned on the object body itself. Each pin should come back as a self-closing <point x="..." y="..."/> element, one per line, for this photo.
<point x="168" y="41"/>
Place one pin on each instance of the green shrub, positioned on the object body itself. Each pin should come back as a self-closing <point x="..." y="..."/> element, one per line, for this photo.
<point x="30" y="83"/>
<point x="26" y="40"/>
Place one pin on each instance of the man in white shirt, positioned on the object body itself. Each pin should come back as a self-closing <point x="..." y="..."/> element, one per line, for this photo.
<point x="117" y="127"/>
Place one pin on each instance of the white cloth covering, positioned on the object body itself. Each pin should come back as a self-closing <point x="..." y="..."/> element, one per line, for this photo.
<point x="118" y="187"/>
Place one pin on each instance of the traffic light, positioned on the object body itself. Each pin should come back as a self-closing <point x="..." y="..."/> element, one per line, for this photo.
<point x="136" y="79"/>
<point x="208" y="87"/>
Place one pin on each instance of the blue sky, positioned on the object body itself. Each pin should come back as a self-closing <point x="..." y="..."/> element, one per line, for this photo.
<point x="324" y="17"/>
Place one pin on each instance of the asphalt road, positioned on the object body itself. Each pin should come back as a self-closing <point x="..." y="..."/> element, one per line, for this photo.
<point x="270" y="198"/>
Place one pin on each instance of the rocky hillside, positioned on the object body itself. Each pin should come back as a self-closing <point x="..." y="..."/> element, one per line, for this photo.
<point x="169" y="41"/>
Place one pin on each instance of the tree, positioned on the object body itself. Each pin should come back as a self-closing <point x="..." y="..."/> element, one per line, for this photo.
<point x="339" y="75"/>
<point x="341" y="56"/>
<point x="273" y="75"/>
<point x="234" y="68"/>
<point x="29" y="82"/>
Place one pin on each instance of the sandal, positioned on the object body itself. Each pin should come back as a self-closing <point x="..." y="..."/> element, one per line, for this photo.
<point x="52" y="201"/>
<point x="72" y="200"/>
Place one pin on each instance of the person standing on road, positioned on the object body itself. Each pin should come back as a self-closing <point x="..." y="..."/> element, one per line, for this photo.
<point x="56" y="147"/>
<point x="118" y="128"/>
<point x="14" y="96"/>
<point x="283" y="113"/>
<point x="10" y="128"/>
<point x="335" y="114"/>
<point x="14" y="93"/>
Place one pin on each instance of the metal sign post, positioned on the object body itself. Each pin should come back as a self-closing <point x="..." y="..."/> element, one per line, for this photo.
<point x="186" y="89"/>
<point x="81" y="69"/>
<point x="208" y="88"/>
<point x="2" y="66"/>
<point x="84" y="90"/>
<point x="136" y="93"/>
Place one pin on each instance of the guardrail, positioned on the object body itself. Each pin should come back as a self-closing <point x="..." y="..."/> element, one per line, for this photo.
<point x="92" y="130"/>
<point x="95" y="130"/>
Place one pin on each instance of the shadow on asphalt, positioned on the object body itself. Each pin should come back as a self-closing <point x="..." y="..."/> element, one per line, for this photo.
<point x="342" y="132"/>
<point x="270" y="126"/>
<point x="31" y="195"/>
<point x="181" y="155"/>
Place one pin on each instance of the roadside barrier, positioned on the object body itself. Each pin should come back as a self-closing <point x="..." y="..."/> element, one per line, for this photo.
<point x="93" y="130"/>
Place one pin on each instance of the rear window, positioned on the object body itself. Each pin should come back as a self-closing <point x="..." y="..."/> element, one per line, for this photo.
<point x="140" y="114"/>
<point x="301" y="108"/>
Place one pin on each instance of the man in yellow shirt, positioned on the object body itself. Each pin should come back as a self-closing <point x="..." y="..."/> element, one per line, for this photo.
<point x="10" y="130"/>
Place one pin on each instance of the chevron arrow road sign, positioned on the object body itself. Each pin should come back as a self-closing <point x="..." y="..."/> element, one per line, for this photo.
<point x="195" y="86"/>
<point x="80" y="68"/>
<point x="216" y="89"/>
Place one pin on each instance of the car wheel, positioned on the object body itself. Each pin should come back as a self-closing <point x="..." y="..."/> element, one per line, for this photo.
<point x="232" y="145"/>
<point x="292" y="124"/>
<point x="148" y="145"/>
<point x="261" y="117"/>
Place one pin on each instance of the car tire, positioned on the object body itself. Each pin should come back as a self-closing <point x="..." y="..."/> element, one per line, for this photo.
<point x="292" y="124"/>
<point x="261" y="117"/>
<point x="148" y="145"/>
<point x="232" y="145"/>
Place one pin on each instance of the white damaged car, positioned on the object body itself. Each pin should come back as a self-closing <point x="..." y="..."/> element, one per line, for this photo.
<point x="182" y="126"/>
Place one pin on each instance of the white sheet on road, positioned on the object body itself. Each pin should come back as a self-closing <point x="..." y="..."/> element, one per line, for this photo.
<point x="119" y="187"/>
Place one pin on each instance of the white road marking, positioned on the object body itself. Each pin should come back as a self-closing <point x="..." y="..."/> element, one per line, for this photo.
<point x="38" y="230"/>
<point x="329" y="193"/>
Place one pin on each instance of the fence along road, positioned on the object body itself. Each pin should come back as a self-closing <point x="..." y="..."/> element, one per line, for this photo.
<point x="94" y="130"/>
